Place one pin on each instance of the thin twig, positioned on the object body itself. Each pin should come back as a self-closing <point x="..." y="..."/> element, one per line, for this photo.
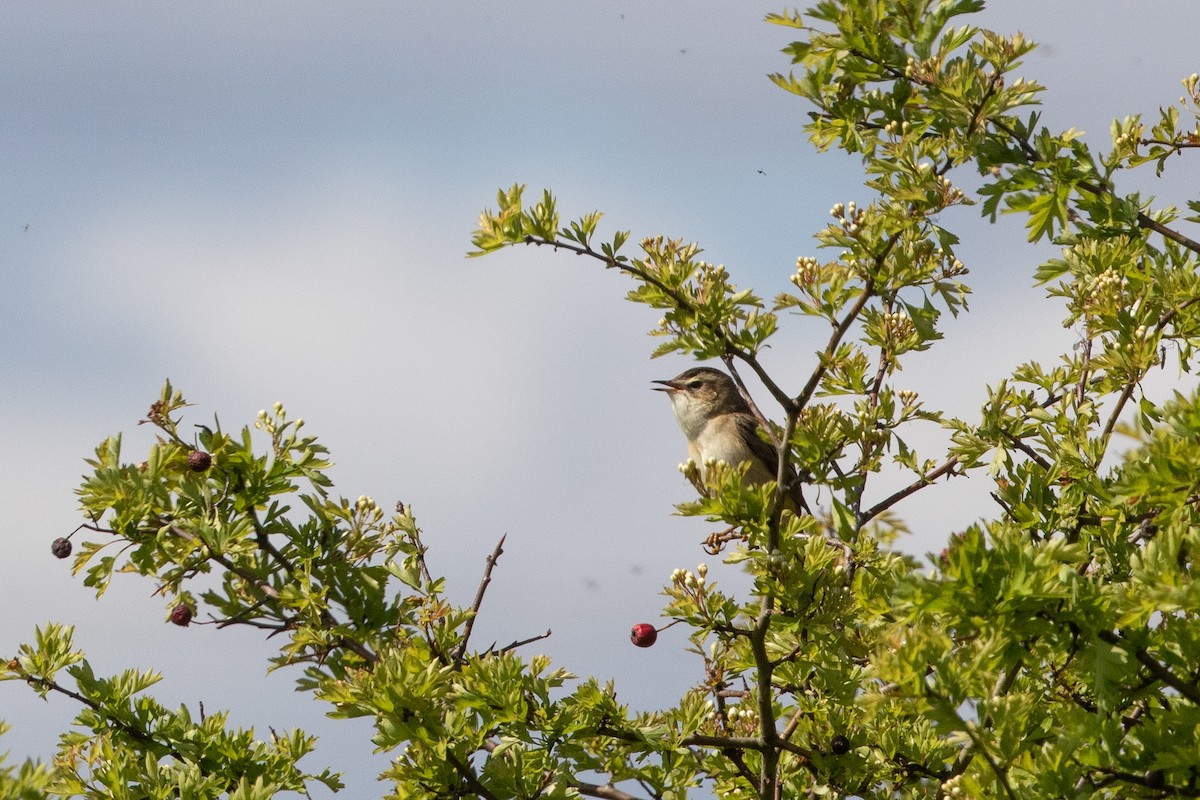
<point x="114" y="721"/>
<point x="1033" y="455"/>
<point x="270" y="596"/>
<point x="1126" y="393"/>
<point x="1143" y="220"/>
<point x="604" y="791"/>
<point x="947" y="468"/>
<point x="1169" y="143"/>
<point x="262" y="537"/>
<point x="763" y="422"/>
<point x="469" y="777"/>
<point x="839" y="330"/>
<point x="523" y="642"/>
<point x="681" y="300"/>
<point x="1156" y="667"/>
<point x="483" y="584"/>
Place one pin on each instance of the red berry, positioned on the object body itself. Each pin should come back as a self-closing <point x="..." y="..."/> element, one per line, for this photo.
<point x="181" y="615"/>
<point x="61" y="547"/>
<point x="198" y="461"/>
<point x="643" y="634"/>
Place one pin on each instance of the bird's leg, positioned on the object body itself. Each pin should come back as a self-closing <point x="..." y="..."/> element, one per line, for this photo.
<point x="717" y="540"/>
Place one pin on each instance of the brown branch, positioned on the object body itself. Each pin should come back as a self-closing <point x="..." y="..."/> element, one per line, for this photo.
<point x="793" y="723"/>
<point x="469" y="777"/>
<point x="723" y="742"/>
<point x="125" y="727"/>
<point x="262" y="537"/>
<point x="1144" y="220"/>
<point x="1172" y="144"/>
<point x="1126" y="393"/>
<point x="274" y="628"/>
<point x="483" y="584"/>
<point x="779" y="394"/>
<point x="1167" y="316"/>
<point x="840" y="329"/>
<point x="1000" y="772"/>
<point x="835" y="338"/>
<point x="523" y="642"/>
<point x="694" y="740"/>
<point x="877" y="382"/>
<point x="763" y="422"/>
<point x="268" y="592"/>
<point x="1161" y="788"/>
<point x="1130" y="387"/>
<point x="768" y="778"/>
<point x="605" y="792"/>
<point x="947" y="468"/>
<point x="681" y="301"/>
<point x="1156" y="667"/>
<point x="1033" y="455"/>
<point x="271" y="597"/>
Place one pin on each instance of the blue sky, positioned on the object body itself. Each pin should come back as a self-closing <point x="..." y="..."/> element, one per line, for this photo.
<point x="272" y="202"/>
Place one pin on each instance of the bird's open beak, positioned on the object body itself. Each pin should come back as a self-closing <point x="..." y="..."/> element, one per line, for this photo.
<point x="667" y="386"/>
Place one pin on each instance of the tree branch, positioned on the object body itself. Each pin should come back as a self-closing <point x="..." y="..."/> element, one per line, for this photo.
<point x="523" y="642"/>
<point x="1156" y="667"/>
<point x="763" y="422"/>
<point x="271" y="597"/>
<point x="483" y="584"/>
<point x="947" y="468"/>
<point x="469" y="777"/>
<point x="839" y="330"/>
<point x="1126" y="393"/>
<point x="136" y="733"/>
<point x="605" y="792"/>
<point x="1001" y="123"/>
<point x="1143" y="220"/>
<point x="680" y="300"/>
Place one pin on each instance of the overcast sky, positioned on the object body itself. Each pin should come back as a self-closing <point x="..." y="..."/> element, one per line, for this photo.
<point x="272" y="202"/>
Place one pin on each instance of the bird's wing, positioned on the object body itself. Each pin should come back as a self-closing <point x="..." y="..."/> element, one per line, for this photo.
<point x="748" y="429"/>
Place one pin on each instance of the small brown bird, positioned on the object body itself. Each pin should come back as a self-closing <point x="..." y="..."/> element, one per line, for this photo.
<point x="719" y="425"/>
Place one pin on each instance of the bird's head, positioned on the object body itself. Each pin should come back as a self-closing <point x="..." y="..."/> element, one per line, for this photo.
<point x="700" y="393"/>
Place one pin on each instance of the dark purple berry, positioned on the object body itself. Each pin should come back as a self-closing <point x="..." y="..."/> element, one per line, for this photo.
<point x="181" y="615"/>
<point x="198" y="461"/>
<point x="840" y="745"/>
<point x="61" y="547"/>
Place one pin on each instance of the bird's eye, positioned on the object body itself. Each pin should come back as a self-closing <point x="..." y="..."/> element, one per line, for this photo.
<point x="695" y="384"/>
